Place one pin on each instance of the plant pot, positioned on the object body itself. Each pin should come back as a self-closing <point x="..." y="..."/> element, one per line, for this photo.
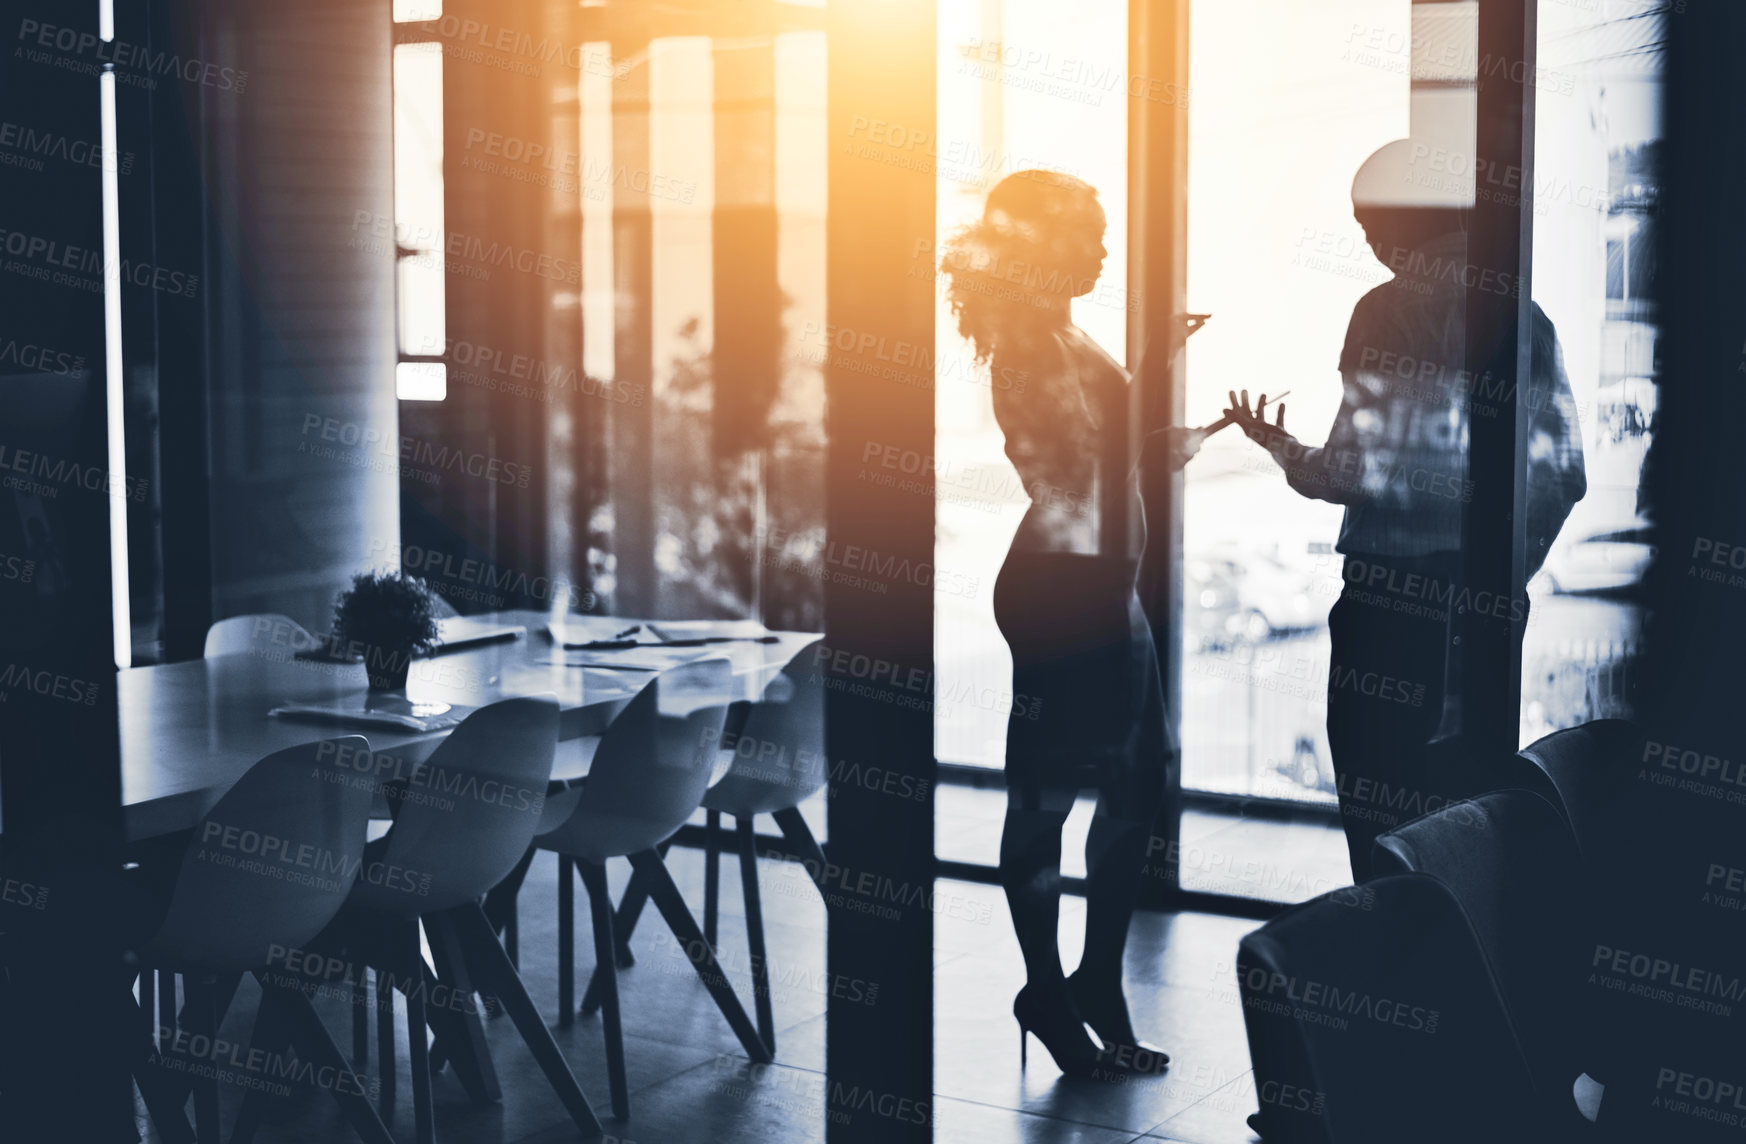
<point x="387" y="669"/>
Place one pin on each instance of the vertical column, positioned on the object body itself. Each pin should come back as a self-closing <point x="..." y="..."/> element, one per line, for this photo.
<point x="179" y="161"/>
<point x="63" y="1051"/>
<point x="877" y="659"/>
<point x="573" y="419"/>
<point x="1158" y="281"/>
<point x="748" y="302"/>
<point x="632" y="463"/>
<point x="1499" y="343"/>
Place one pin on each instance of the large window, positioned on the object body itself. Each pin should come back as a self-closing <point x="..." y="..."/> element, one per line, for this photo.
<point x="417" y="228"/>
<point x="1597" y="189"/>
<point x="1286" y="103"/>
<point x="1289" y="100"/>
<point x="1019" y="88"/>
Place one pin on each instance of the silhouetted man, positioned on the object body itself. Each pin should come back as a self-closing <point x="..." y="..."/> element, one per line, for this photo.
<point x="1396" y="458"/>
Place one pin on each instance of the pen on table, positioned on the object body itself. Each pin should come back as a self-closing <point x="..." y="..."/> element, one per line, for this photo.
<point x="630" y="631"/>
<point x="700" y="641"/>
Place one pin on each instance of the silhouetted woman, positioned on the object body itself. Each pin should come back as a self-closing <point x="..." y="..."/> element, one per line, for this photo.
<point x="1089" y="703"/>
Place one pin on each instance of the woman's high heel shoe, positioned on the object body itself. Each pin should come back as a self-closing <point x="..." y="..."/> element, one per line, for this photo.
<point x="1052" y="1018"/>
<point x="1106" y="1011"/>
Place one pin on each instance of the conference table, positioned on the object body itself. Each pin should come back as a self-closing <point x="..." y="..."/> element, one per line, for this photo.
<point x="189" y="730"/>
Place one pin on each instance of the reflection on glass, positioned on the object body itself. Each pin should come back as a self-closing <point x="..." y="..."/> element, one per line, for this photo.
<point x="418" y="196"/>
<point x="407" y="11"/>
<point x="692" y="154"/>
<point x="1596" y="192"/>
<point x="421" y="380"/>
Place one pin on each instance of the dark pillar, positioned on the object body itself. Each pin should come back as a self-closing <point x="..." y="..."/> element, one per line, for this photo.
<point x="60" y="775"/>
<point x="1500" y="247"/>
<point x="877" y="658"/>
<point x="1158" y="283"/>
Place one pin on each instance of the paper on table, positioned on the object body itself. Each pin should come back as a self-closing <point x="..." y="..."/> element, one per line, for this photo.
<point x="644" y="657"/>
<point x="415" y="717"/>
<point x="608" y="633"/>
<point x="704" y="629"/>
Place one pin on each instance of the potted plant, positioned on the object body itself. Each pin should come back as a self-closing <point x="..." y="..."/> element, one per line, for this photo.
<point x="387" y="618"/>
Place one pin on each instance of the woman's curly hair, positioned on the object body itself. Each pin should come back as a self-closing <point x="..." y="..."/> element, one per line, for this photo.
<point x="1004" y="268"/>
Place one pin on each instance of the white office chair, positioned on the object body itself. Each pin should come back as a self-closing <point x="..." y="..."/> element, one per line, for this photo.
<point x="654" y="763"/>
<point x="258" y="631"/>
<point x="776" y="762"/>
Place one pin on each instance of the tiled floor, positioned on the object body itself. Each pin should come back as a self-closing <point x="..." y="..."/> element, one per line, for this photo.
<point x="1274" y="858"/>
<point x="690" y="1084"/>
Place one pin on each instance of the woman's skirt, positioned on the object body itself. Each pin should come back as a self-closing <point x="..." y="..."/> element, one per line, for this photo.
<point x="1088" y="698"/>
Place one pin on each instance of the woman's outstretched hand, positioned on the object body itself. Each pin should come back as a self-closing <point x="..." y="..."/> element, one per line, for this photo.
<point x="1180" y="444"/>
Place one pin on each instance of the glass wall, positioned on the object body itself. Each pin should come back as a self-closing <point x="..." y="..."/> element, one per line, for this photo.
<point x="1019" y="89"/>
<point x="1288" y="102"/>
<point x="1596" y="192"/>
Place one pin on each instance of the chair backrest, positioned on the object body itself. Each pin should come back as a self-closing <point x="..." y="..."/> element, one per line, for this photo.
<point x="655" y="761"/>
<point x="464" y="817"/>
<point x="1592" y="771"/>
<point x="778" y="752"/>
<point x="1656" y="816"/>
<point x="262" y="631"/>
<point x="270" y="864"/>
<point x="1510" y="860"/>
<point x="1372" y="1016"/>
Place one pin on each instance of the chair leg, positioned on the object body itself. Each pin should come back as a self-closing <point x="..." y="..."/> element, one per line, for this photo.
<point x="630" y="908"/>
<point x="745" y="827"/>
<point x="566" y="942"/>
<point x="203" y="1022"/>
<point x="500" y="907"/>
<point x="804" y="846"/>
<point x="385" y="1044"/>
<point x="310" y="1037"/>
<point x="166" y="1002"/>
<point x="711" y="873"/>
<point x="417" y="1041"/>
<point x="600" y="902"/>
<point x="624" y="923"/>
<point x="271" y="1035"/>
<point x="164" y="1109"/>
<point x="461" y="1033"/>
<point x="224" y="992"/>
<point x="493" y="967"/>
<point x="361" y="1021"/>
<point x="671" y="903"/>
<point x="164" y="1100"/>
<point x="148" y="1002"/>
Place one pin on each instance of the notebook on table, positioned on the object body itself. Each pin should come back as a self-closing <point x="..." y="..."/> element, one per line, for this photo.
<point x="390" y="712"/>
